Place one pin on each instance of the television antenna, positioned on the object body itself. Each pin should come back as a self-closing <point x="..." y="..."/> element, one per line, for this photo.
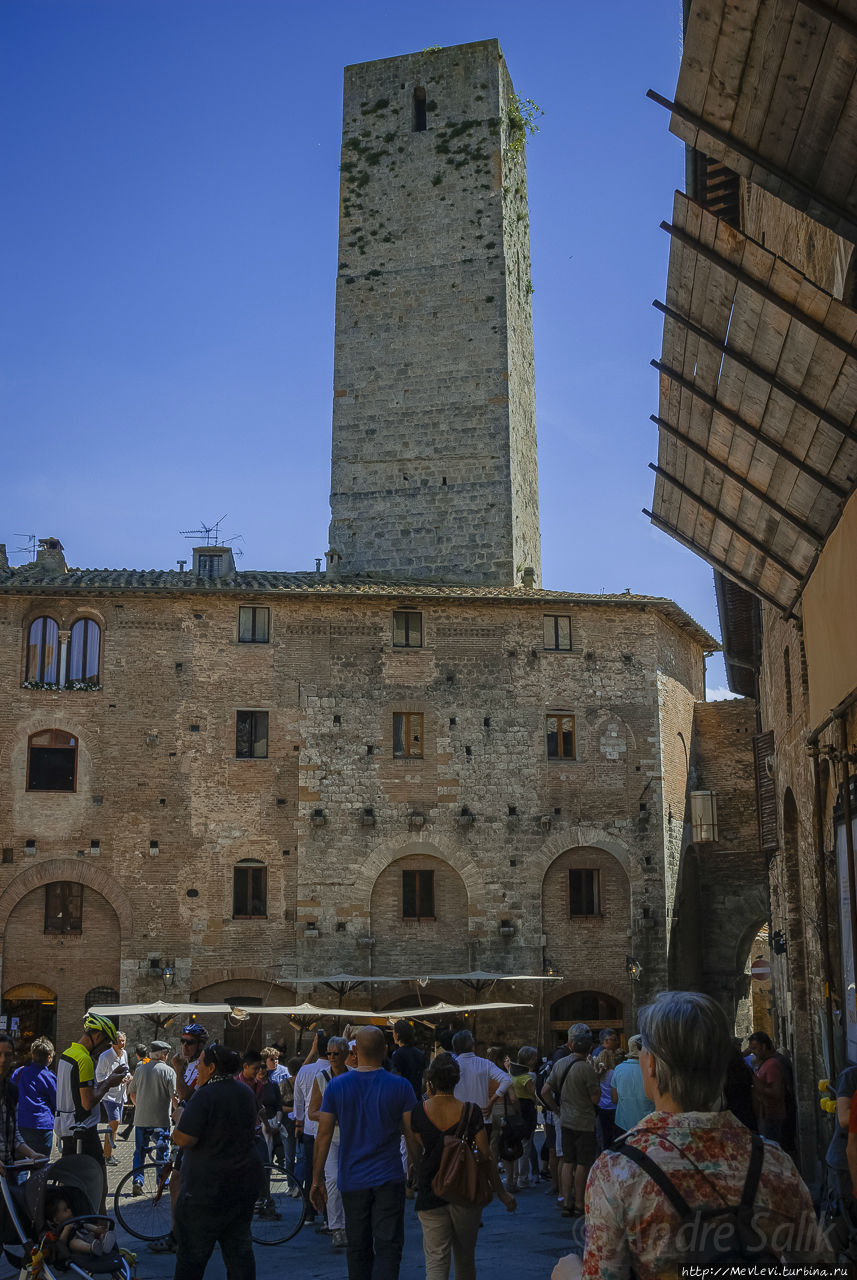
<point x="210" y="534"/>
<point x="29" y="546"/>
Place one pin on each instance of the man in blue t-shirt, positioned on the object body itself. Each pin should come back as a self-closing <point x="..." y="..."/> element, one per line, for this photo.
<point x="372" y="1108"/>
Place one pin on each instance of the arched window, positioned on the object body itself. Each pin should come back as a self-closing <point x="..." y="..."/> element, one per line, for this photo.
<point x="249" y="890"/>
<point x="100" y="995"/>
<point x="84" y="650"/>
<point x="420" y="122"/>
<point x="43" y="651"/>
<point x="52" y="763"/>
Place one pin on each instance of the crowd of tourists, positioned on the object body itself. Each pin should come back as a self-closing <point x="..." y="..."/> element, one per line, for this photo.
<point x="647" y="1151"/>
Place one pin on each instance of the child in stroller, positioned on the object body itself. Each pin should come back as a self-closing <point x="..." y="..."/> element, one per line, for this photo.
<point x="70" y="1234"/>
<point x="52" y="1216"/>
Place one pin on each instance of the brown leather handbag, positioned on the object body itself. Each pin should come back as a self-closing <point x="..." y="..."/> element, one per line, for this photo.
<point x="464" y="1174"/>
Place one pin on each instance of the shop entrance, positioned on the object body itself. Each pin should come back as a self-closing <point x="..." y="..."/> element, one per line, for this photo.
<point x="29" y="1011"/>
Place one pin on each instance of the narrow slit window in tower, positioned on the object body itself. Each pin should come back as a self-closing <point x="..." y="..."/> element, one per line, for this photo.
<point x="419" y="109"/>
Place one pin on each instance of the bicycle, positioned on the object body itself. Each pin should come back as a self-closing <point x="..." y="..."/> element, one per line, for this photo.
<point x="281" y="1209"/>
<point x="147" y="1214"/>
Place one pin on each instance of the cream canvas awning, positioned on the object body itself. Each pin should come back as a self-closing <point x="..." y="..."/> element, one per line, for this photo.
<point x="767" y="87"/>
<point x="758" y="396"/>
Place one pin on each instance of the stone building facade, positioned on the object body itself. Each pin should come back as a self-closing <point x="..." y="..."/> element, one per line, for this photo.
<point x="533" y="861"/>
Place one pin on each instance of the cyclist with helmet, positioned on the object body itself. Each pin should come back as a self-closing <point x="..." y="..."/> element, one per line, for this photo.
<point x="79" y="1095"/>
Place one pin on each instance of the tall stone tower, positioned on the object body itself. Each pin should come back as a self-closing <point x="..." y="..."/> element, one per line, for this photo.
<point x="434" y="470"/>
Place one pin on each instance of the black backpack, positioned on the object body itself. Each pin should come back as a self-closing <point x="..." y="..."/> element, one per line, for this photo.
<point x="713" y="1236"/>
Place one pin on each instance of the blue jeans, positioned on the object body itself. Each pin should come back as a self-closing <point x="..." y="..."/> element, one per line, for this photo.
<point x="143" y="1150"/>
<point x="375" y="1227"/>
<point x="40" y="1140"/>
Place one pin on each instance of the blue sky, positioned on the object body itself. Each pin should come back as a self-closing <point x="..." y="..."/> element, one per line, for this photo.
<point x="169" y="248"/>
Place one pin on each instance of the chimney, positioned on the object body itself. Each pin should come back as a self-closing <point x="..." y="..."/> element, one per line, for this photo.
<point x="4" y="559"/>
<point x="529" y="578"/>
<point x="50" y="556"/>
<point x="332" y="562"/>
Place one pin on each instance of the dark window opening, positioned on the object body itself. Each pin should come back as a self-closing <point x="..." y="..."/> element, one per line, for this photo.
<point x="253" y="624"/>
<point x="251" y="735"/>
<point x="418" y="895"/>
<point x="557" y="627"/>
<point x="43" y="651"/>
<point x="83" y="650"/>
<point x="249" y="891"/>
<point x="584" y="893"/>
<point x="408" y="734"/>
<point x="559" y="731"/>
<point x="52" y="762"/>
<point x="63" y="907"/>
<point x="8" y="856"/>
<point x="420" y="122"/>
<point x="101" y="995"/>
<point x="407" y="629"/>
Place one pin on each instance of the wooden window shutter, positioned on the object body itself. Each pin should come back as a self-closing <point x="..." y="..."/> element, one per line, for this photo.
<point x="766" y="792"/>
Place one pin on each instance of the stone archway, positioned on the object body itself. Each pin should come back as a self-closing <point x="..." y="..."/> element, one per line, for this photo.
<point x="434" y="942"/>
<point x="68" y="961"/>
<point x="418" y="845"/>
<point x="77" y="871"/>
<point x="587" y="922"/>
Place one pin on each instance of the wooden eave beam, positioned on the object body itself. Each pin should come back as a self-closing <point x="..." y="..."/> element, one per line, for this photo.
<point x="770" y="295"/>
<point x="815" y="536"/>
<point x="839" y="491"/>
<point x="754" y="158"/>
<point x="714" y="561"/>
<point x="803" y="402"/>
<point x="736" y="528"/>
<point x="834" y="16"/>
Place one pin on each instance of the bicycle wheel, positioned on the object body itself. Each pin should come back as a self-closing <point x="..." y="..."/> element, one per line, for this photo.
<point x="280" y="1210"/>
<point x="145" y="1216"/>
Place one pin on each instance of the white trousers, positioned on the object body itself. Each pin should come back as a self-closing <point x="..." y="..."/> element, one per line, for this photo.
<point x="335" y="1211"/>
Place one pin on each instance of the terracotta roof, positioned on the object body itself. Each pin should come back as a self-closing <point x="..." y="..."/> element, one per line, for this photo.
<point x="36" y="579"/>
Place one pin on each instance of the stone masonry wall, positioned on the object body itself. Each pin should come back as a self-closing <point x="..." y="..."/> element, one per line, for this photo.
<point x="434" y="470"/>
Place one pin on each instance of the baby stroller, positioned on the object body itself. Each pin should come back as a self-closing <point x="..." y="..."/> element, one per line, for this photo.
<point x="79" y="1178"/>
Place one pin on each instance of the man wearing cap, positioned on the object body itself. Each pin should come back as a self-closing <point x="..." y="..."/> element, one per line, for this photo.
<point x="151" y="1090"/>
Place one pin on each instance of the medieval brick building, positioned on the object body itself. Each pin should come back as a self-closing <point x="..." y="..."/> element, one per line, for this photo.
<point x="417" y="762"/>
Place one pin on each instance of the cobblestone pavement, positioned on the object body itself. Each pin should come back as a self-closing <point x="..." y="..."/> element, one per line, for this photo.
<point x="526" y="1243"/>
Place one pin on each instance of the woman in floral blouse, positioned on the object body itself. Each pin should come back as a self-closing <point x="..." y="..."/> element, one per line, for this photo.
<point x="631" y="1228"/>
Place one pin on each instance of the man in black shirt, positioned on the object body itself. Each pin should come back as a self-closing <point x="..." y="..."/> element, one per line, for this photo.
<point x="407" y="1060"/>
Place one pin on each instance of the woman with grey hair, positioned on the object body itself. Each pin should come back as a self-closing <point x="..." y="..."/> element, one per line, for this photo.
<point x="631" y="1223"/>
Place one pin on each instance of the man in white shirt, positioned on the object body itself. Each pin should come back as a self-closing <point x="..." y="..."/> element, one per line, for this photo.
<point x="480" y="1081"/>
<point x="306" y="1129"/>
<point x="114" y="1099"/>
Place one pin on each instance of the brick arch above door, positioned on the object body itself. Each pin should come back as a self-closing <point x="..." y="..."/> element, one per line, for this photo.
<point x="74" y="871"/>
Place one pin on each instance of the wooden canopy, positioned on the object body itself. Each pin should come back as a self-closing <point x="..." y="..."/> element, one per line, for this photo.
<point x="768" y="88"/>
<point x="758" y="397"/>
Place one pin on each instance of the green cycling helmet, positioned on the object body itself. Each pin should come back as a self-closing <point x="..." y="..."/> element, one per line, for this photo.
<point x="95" y="1022"/>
